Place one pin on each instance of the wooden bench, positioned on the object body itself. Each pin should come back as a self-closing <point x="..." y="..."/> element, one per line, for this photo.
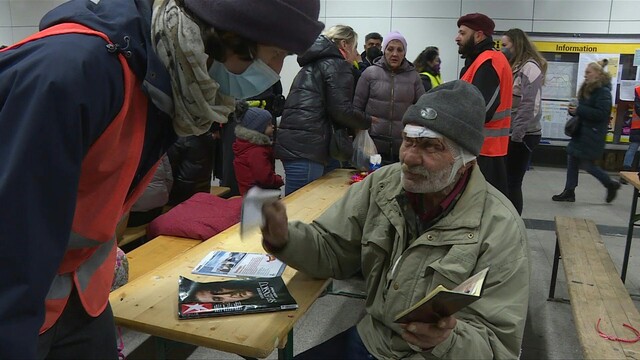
<point x="156" y="252"/>
<point x="595" y="290"/>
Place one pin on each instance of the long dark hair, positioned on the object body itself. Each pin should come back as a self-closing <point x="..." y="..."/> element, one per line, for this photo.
<point x="523" y="50"/>
<point x="427" y="55"/>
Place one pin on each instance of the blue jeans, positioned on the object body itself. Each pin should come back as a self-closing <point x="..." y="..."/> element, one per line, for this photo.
<point x="630" y="155"/>
<point x="346" y="345"/>
<point x="573" y="166"/>
<point x="299" y="173"/>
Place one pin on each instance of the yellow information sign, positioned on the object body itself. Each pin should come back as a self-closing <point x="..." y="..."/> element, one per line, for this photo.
<point x="580" y="47"/>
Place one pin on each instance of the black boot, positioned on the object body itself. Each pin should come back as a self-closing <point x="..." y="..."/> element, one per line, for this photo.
<point x="612" y="190"/>
<point x="566" y="195"/>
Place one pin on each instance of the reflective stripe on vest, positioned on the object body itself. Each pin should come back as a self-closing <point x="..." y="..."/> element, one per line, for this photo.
<point x="635" y="118"/>
<point x="435" y="79"/>
<point x="103" y="196"/>
<point x="496" y="130"/>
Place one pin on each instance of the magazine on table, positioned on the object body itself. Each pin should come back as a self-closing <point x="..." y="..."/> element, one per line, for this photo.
<point x="232" y="297"/>
<point x="239" y="264"/>
<point x="442" y="302"/>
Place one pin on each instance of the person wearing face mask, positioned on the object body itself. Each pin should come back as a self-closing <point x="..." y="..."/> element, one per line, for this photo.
<point x="490" y="72"/>
<point x="372" y="45"/>
<point x="319" y="101"/>
<point x="408" y="227"/>
<point x="428" y="65"/>
<point x="129" y="76"/>
<point x="529" y="69"/>
<point x="385" y="91"/>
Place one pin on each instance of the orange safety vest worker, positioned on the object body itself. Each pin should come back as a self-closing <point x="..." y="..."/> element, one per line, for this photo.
<point x="496" y="131"/>
<point x="106" y="176"/>
<point x="635" y="119"/>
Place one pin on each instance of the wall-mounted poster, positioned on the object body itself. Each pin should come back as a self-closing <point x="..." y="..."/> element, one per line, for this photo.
<point x="554" y="116"/>
<point x="560" y="81"/>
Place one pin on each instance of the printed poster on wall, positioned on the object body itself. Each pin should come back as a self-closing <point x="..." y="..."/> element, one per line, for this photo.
<point x="560" y="81"/>
<point x="612" y="68"/>
<point x="554" y="116"/>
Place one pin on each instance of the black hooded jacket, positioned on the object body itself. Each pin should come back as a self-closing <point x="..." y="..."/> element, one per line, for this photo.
<point x="321" y="95"/>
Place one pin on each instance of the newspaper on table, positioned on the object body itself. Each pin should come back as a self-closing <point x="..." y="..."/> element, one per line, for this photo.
<point x="239" y="264"/>
<point x="251" y="219"/>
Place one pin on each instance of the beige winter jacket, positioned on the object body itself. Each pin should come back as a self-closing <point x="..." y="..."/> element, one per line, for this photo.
<point x="366" y="229"/>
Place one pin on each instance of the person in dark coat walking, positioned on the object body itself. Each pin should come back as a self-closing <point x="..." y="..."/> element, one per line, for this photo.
<point x="320" y="100"/>
<point x="587" y="145"/>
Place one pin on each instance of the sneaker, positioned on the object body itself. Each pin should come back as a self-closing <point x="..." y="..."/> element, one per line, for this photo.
<point x="612" y="191"/>
<point x="565" y="195"/>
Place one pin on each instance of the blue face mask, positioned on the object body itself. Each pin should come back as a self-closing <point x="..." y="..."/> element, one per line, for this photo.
<point x="254" y="81"/>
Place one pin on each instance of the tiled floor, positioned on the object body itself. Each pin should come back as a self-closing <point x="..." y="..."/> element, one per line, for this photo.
<point x="550" y="333"/>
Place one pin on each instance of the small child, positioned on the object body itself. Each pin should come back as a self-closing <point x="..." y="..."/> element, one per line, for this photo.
<point x="254" y="162"/>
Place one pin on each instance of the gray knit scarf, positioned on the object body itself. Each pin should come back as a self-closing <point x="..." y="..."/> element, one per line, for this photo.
<point x="178" y="43"/>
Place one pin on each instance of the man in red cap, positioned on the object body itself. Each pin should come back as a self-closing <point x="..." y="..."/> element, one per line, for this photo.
<point x="490" y="72"/>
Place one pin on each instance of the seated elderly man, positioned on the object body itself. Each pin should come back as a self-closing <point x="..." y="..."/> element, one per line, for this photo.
<point x="431" y="219"/>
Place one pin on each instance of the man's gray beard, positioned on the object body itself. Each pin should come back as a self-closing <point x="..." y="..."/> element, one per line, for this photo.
<point x="432" y="182"/>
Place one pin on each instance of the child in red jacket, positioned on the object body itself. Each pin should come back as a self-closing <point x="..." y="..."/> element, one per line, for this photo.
<point x="254" y="162"/>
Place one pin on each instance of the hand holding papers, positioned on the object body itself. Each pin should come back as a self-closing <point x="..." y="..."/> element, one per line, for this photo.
<point x="251" y="219"/>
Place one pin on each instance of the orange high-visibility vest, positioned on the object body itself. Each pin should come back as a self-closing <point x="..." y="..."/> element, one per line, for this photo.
<point x="496" y="131"/>
<point x="105" y="178"/>
<point x="635" y="119"/>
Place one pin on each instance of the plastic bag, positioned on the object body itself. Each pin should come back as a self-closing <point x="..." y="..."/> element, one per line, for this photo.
<point x="363" y="148"/>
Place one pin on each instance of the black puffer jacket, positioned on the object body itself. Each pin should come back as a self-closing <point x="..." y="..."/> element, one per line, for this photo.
<point x="191" y="161"/>
<point x="321" y="94"/>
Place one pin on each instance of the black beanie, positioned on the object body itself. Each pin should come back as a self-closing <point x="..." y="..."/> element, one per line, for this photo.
<point x="291" y="25"/>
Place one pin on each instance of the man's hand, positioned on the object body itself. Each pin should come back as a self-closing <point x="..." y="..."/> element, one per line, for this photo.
<point x="276" y="228"/>
<point x="426" y="336"/>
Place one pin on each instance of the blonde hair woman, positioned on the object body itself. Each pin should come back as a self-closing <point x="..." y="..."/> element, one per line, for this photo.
<point x="593" y="111"/>
<point x="529" y="69"/>
<point x="320" y="101"/>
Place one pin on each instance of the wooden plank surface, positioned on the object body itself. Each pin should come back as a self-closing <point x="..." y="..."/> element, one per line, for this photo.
<point x="150" y="303"/>
<point x="156" y="252"/>
<point x="596" y="291"/>
<point x="631" y="177"/>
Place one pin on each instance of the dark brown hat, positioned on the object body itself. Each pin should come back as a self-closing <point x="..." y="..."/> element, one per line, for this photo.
<point x="478" y="22"/>
<point x="288" y="24"/>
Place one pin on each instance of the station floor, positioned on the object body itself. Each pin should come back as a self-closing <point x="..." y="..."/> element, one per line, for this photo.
<point x="549" y="333"/>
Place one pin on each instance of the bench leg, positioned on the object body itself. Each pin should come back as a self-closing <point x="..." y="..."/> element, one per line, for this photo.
<point x="627" y="248"/>
<point x="287" y="352"/>
<point x="554" y="271"/>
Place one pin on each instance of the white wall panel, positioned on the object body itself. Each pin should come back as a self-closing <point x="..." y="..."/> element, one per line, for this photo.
<point x="6" y="35"/>
<point x="504" y="25"/>
<point x="426" y="8"/>
<point x="358" y="8"/>
<point x="441" y="33"/>
<point x="363" y="26"/>
<point x="29" y="13"/>
<point x="625" y="10"/>
<point x="500" y="9"/>
<point x="5" y="13"/>
<point x="323" y="9"/>
<point x="624" y="27"/>
<point x="571" y="27"/>
<point x="567" y="10"/>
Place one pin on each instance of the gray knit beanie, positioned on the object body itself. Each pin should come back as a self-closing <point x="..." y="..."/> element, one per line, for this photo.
<point x="291" y="25"/>
<point x="454" y="109"/>
<point x="256" y="119"/>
